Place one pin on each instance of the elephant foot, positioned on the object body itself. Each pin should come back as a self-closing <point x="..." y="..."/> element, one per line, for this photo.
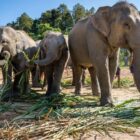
<point x="77" y="93"/>
<point x="106" y="102"/>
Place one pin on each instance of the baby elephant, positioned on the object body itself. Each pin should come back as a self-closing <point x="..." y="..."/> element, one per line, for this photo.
<point x="53" y="55"/>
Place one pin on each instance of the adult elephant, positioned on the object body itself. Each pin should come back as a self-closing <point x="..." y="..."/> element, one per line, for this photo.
<point x="14" y="45"/>
<point x="70" y="64"/>
<point x="95" y="42"/>
<point x="54" y="52"/>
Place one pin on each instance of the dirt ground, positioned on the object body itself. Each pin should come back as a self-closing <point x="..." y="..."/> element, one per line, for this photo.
<point x="119" y="94"/>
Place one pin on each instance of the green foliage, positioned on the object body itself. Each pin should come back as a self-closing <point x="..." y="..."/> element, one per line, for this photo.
<point x="83" y="114"/>
<point x="66" y="82"/>
<point x="25" y="22"/>
<point x="78" y="12"/>
<point x="7" y="86"/>
<point x="58" y="19"/>
<point x="123" y="53"/>
<point x="124" y="82"/>
<point x="90" y="11"/>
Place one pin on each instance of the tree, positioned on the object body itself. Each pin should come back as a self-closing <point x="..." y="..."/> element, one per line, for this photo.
<point x="12" y="24"/>
<point x="63" y="9"/>
<point x="46" y="17"/>
<point x="24" y="22"/>
<point x="60" y="19"/>
<point x="35" y="26"/>
<point x="65" y="19"/>
<point x="42" y="28"/>
<point x="90" y="11"/>
<point x="51" y="17"/>
<point x="78" y="12"/>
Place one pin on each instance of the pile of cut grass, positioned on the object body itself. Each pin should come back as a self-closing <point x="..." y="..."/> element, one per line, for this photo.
<point x="61" y="115"/>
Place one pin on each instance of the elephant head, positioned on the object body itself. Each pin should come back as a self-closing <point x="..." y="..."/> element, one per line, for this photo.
<point x="8" y="42"/>
<point x="120" y="25"/>
<point x="51" y="48"/>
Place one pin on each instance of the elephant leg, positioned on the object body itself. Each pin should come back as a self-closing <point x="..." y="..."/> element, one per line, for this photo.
<point x="104" y="81"/>
<point x="35" y="73"/>
<point x="94" y="81"/>
<point x="43" y="77"/>
<point x="113" y="63"/>
<point x="58" y="71"/>
<point x="49" y="77"/>
<point x="73" y="76"/>
<point x="78" y="79"/>
<point x="83" y="76"/>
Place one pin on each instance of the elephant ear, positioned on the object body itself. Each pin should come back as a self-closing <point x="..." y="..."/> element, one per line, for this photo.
<point x="60" y="40"/>
<point x="100" y="20"/>
<point x="20" y="43"/>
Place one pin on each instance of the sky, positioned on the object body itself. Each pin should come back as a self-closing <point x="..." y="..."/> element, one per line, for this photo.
<point x="11" y="9"/>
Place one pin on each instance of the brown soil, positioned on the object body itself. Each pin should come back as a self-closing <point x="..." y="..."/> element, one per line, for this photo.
<point x="119" y="94"/>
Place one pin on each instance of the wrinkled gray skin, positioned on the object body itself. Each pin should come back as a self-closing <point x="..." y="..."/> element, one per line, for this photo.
<point x="95" y="42"/>
<point x="15" y="42"/>
<point x="55" y="51"/>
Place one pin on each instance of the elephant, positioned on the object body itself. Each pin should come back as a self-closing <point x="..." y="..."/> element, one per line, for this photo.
<point x="4" y="60"/>
<point x="38" y="72"/>
<point x="95" y="42"/>
<point x="15" y="44"/>
<point x="37" y="42"/>
<point x="70" y="64"/>
<point x="54" y="48"/>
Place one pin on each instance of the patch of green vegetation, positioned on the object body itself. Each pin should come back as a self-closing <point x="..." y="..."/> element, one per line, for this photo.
<point x="124" y="82"/>
<point x="76" y="114"/>
<point x="4" y="107"/>
<point x="66" y="82"/>
<point x="84" y="108"/>
<point x="87" y="80"/>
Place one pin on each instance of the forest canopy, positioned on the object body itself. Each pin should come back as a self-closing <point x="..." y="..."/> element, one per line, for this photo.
<point x="60" y="19"/>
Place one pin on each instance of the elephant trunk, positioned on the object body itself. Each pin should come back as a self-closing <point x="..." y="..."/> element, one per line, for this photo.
<point x="1" y="48"/>
<point x="46" y="61"/>
<point x="6" y="56"/>
<point x="136" y="67"/>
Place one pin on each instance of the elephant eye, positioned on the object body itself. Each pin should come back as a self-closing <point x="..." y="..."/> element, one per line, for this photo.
<point x="127" y="26"/>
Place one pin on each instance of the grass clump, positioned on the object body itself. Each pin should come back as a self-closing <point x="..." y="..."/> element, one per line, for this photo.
<point x="66" y="82"/>
<point x="124" y="82"/>
<point x="62" y="115"/>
